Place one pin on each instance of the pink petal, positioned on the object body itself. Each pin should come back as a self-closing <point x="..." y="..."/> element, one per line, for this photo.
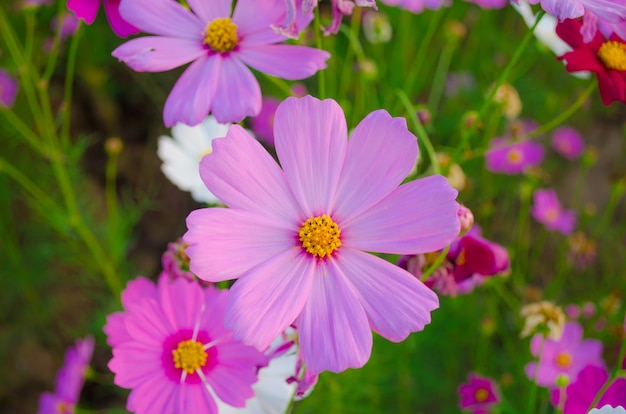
<point x="334" y="332"/>
<point x="381" y="153"/>
<point x="238" y="93"/>
<point x="115" y="329"/>
<point x="133" y="363"/>
<point x="210" y="10"/>
<point x="242" y="174"/>
<point x="196" y="399"/>
<point x="84" y="9"/>
<point x="162" y="17"/>
<point x="256" y="20"/>
<point x="119" y="26"/>
<point x="417" y="217"/>
<point x="225" y="243"/>
<point x="147" y="323"/>
<point x="395" y="301"/>
<point x="284" y="61"/>
<point x="158" y="53"/>
<point x="311" y="137"/>
<point x="268" y="298"/>
<point x="182" y="314"/>
<point x="155" y="395"/>
<point x="233" y="385"/>
<point x="136" y="290"/>
<point x="190" y="100"/>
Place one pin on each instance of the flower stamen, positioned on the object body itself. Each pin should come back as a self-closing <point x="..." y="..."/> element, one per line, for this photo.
<point x="320" y="236"/>
<point x="189" y="356"/>
<point x="221" y="35"/>
<point x="613" y="55"/>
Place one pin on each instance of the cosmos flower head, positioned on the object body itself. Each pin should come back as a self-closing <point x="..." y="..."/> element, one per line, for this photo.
<point x="568" y="142"/>
<point x="220" y="47"/>
<point x="8" y="89"/>
<point x="564" y="357"/>
<point x="513" y="157"/>
<point x="296" y="237"/>
<point x="582" y="391"/>
<point x="547" y="209"/>
<point x="69" y="380"/>
<point x="478" y="395"/>
<point x="87" y="10"/>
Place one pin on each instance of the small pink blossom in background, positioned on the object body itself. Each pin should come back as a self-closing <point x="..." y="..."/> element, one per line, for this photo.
<point x="418" y="6"/>
<point x="568" y="142"/>
<point x="69" y="24"/>
<point x="582" y="390"/>
<point x="478" y="395"/>
<point x="219" y="46"/>
<point x="508" y="157"/>
<point x="546" y="209"/>
<point x="175" y="262"/>
<point x="87" y="10"/>
<point x="490" y="4"/>
<point x="572" y="311"/>
<point x="35" y="3"/>
<point x="566" y="356"/>
<point x="8" y="89"/>
<point x="172" y="350"/>
<point x="589" y="310"/>
<point x="329" y="288"/>
<point x="69" y="380"/>
<point x="263" y="124"/>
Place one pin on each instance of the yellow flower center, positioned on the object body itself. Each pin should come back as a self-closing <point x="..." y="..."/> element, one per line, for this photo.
<point x="221" y="35"/>
<point x="552" y="215"/>
<point x="514" y="156"/>
<point x="613" y="55"/>
<point x="460" y="259"/>
<point x="320" y="236"/>
<point x="189" y="356"/>
<point x="481" y="394"/>
<point x="64" y="408"/>
<point x="564" y="360"/>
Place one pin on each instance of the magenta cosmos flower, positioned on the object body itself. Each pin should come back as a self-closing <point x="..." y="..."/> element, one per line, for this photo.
<point x="219" y="47"/>
<point x="478" y="395"/>
<point x="88" y="9"/>
<point x="8" y="89"/>
<point x="566" y="356"/>
<point x="568" y="142"/>
<point x="170" y="347"/>
<point x="580" y="394"/>
<point x="296" y="237"/>
<point x="547" y="210"/>
<point x="69" y="380"/>
<point x="605" y="57"/>
<point x="507" y="157"/>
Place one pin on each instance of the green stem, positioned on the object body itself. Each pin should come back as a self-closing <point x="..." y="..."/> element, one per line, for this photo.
<point x="348" y="63"/>
<point x="56" y="44"/>
<point x="70" y="70"/>
<point x="321" y="74"/>
<point x="280" y="83"/>
<point x="533" y="390"/>
<point x="566" y="113"/>
<point x="435" y="264"/>
<point x="441" y="72"/>
<point x="421" y="132"/>
<point x="25" y="132"/>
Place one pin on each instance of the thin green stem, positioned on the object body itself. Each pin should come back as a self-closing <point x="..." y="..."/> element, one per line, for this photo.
<point x="348" y="62"/>
<point x="566" y="113"/>
<point x="436" y="264"/>
<point x="280" y="83"/>
<point x="24" y="131"/>
<point x="321" y="74"/>
<point x="532" y="398"/>
<point x="56" y="44"/>
<point x="66" y="111"/>
<point x="441" y="72"/>
<point x="421" y="132"/>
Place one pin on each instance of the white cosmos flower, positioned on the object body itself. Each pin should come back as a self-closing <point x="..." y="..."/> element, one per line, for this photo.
<point x="607" y="409"/>
<point x="181" y="155"/>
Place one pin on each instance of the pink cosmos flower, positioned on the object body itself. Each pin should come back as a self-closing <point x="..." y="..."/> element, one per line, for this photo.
<point x="69" y="380"/>
<point x="418" y="6"/>
<point x="568" y="142"/>
<point x="610" y="10"/>
<point x="220" y="47"/>
<point x="490" y="4"/>
<point x="547" y="210"/>
<point x="566" y="356"/>
<point x="8" y="89"/>
<point x="513" y="158"/>
<point x="296" y="237"/>
<point x="175" y="262"/>
<point x="478" y="395"/>
<point x="263" y="124"/>
<point x="291" y="27"/>
<point x="88" y="9"/>
<point x="172" y="350"/>
<point x="580" y="393"/>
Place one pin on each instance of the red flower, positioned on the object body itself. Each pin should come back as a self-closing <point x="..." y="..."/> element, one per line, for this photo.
<point x="607" y="58"/>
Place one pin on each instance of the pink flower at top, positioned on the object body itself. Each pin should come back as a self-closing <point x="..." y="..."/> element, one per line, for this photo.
<point x="568" y="142"/>
<point x="297" y="237"/>
<point x="219" y="47"/>
<point x="8" y="89"/>
<point x="87" y="10"/>
<point x="69" y="380"/>
<point x="490" y="4"/>
<point x="263" y="124"/>
<point x="175" y="354"/>
<point x="508" y="157"/>
<point x="291" y="27"/>
<point x="566" y="356"/>
<point x="610" y="10"/>
<point x="418" y="6"/>
<point x="478" y="395"/>
<point x="547" y="210"/>
<point x="581" y="392"/>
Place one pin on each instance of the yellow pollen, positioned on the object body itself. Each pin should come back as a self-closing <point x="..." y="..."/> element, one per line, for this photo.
<point x="563" y="360"/>
<point x="189" y="356"/>
<point x="514" y="156"/>
<point x="320" y="236"/>
<point x="460" y="259"/>
<point x="221" y="35"/>
<point x="481" y="394"/>
<point x="552" y="215"/>
<point x="613" y="55"/>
